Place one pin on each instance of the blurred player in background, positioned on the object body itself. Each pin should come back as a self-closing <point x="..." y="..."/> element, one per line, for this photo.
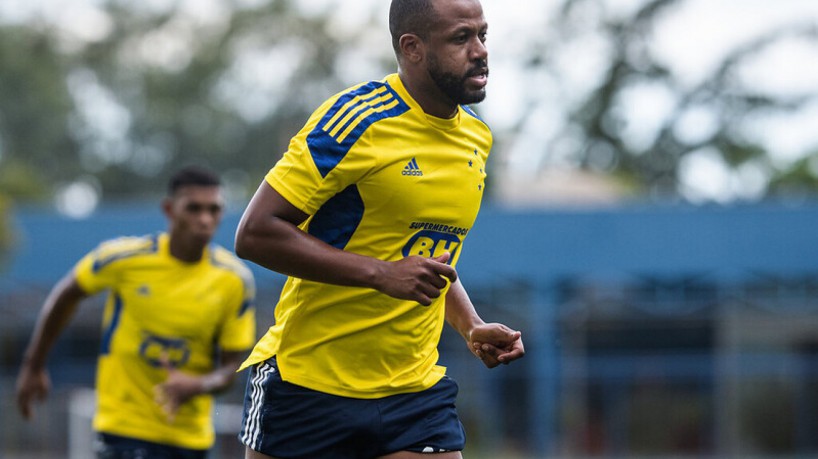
<point x="367" y="213"/>
<point x="178" y="321"/>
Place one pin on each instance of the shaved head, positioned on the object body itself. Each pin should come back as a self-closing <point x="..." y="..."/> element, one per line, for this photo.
<point x="410" y="16"/>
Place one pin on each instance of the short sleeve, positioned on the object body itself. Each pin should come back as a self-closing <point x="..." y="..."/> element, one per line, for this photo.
<point x="238" y="333"/>
<point x="320" y="161"/>
<point x="99" y="270"/>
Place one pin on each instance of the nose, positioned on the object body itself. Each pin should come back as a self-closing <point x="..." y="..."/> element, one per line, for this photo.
<point x="479" y="50"/>
<point x="207" y="219"/>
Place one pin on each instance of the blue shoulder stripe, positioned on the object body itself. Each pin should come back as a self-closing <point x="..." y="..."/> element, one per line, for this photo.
<point x="471" y="112"/>
<point x="151" y="247"/>
<point x="348" y="119"/>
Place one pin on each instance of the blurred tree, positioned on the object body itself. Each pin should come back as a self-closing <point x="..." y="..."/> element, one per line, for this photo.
<point x="118" y="102"/>
<point x="163" y="85"/>
<point x="35" y="147"/>
<point x="227" y="89"/>
<point x="706" y="121"/>
<point x="35" y="144"/>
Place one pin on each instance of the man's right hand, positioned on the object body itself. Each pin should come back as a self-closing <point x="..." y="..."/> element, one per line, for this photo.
<point x="416" y="278"/>
<point x="33" y="385"/>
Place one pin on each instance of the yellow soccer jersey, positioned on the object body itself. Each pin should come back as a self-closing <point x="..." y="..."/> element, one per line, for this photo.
<point x="162" y="308"/>
<point x="380" y="178"/>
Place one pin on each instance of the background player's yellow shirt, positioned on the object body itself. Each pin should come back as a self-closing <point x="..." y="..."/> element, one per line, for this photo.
<point x="379" y="178"/>
<point x="160" y="306"/>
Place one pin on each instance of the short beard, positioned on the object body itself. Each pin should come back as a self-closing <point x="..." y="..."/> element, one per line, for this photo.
<point x="454" y="86"/>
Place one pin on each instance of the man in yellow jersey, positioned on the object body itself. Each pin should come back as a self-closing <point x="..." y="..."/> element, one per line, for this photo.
<point x="367" y="213"/>
<point x="178" y="321"/>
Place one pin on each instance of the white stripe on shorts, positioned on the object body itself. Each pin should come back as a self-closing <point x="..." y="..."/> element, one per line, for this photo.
<point x="251" y="435"/>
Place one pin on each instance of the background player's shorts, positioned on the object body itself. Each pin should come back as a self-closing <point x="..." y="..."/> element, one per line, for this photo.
<point x="115" y="447"/>
<point x="289" y="421"/>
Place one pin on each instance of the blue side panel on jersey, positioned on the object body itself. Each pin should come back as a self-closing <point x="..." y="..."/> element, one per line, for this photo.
<point x="325" y="149"/>
<point x="105" y="344"/>
<point x="338" y="218"/>
<point x="100" y="263"/>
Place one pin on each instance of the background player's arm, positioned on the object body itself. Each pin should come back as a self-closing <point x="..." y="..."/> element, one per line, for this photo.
<point x="179" y="387"/>
<point x="33" y="382"/>
<point x="492" y="343"/>
<point x="268" y="235"/>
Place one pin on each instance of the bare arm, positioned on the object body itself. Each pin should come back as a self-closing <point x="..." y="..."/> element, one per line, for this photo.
<point x="268" y="235"/>
<point x="222" y="377"/>
<point x="492" y="343"/>
<point x="179" y="387"/>
<point x="33" y="382"/>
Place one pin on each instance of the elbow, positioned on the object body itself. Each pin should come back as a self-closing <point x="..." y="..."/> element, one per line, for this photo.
<point x="242" y="244"/>
<point x="241" y="250"/>
<point x="253" y="240"/>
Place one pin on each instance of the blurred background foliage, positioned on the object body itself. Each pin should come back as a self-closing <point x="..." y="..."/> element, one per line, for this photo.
<point x="106" y="107"/>
<point x="654" y="164"/>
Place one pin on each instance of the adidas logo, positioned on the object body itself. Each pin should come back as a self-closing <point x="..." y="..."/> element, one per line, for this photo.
<point x="412" y="168"/>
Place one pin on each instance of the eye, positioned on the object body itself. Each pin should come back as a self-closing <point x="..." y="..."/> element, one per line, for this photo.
<point x="195" y="208"/>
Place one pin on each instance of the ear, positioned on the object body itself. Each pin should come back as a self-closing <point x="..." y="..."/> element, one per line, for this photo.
<point x="412" y="48"/>
<point x="167" y="207"/>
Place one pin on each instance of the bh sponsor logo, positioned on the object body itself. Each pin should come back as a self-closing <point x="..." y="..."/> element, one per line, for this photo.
<point x="432" y="244"/>
<point x="158" y="351"/>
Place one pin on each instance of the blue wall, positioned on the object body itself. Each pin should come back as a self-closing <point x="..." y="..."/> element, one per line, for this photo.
<point x="536" y="247"/>
<point x="725" y="241"/>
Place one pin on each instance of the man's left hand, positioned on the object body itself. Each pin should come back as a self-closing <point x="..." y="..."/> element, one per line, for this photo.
<point x="495" y="343"/>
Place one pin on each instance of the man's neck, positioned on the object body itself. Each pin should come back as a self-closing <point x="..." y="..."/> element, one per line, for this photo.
<point x="428" y="96"/>
<point x="185" y="251"/>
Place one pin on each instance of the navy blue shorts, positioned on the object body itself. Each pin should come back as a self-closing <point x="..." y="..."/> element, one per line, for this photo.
<point x="287" y="421"/>
<point x="115" y="447"/>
